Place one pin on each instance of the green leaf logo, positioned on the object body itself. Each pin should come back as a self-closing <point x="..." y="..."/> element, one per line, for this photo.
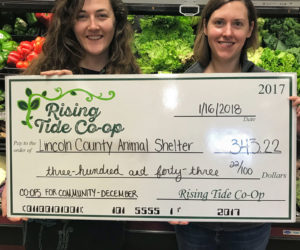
<point x="22" y="105"/>
<point x="34" y="103"/>
<point x="28" y="92"/>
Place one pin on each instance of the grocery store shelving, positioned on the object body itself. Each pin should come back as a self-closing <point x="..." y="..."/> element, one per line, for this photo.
<point x="264" y="8"/>
<point x="22" y="5"/>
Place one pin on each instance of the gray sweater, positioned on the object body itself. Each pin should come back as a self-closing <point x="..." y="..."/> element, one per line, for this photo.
<point x="247" y="66"/>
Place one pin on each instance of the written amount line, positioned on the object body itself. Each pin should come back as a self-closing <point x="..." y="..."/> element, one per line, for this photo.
<point x="144" y="177"/>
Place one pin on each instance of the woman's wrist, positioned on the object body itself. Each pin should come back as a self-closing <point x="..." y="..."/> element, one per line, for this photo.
<point x="2" y="187"/>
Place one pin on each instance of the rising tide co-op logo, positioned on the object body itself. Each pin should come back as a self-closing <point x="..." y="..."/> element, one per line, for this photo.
<point x="85" y="116"/>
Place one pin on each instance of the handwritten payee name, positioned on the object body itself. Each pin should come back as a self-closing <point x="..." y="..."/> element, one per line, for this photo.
<point x="107" y="146"/>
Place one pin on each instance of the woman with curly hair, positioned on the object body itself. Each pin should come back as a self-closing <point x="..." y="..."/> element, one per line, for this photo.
<point x="74" y="34"/>
<point x="84" y="37"/>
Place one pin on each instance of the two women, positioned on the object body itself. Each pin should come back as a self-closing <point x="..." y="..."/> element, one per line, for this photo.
<point x="93" y="37"/>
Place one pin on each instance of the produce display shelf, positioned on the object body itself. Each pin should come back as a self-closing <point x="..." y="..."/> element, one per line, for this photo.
<point x="173" y="9"/>
<point x="289" y="231"/>
<point x="4" y="222"/>
<point x="36" y="5"/>
<point x="278" y="12"/>
<point x="7" y="71"/>
<point x="147" y="7"/>
<point x="4" y="73"/>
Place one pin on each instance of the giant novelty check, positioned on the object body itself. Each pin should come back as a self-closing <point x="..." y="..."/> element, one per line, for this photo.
<point x="196" y="147"/>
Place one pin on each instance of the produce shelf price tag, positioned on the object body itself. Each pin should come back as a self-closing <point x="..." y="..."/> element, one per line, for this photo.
<point x="196" y="147"/>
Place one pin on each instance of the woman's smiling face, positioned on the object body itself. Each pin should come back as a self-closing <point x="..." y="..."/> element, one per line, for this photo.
<point x="227" y="30"/>
<point x="95" y="27"/>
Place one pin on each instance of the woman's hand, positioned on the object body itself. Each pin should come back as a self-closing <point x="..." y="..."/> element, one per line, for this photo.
<point x="4" y="207"/>
<point x="59" y="72"/>
<point x="296" y="103"/>
<point x="181" y="223"/>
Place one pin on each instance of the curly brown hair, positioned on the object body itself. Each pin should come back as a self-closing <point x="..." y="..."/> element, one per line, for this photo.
<point x="201" y="47"/>
<point x="62" y="50"/>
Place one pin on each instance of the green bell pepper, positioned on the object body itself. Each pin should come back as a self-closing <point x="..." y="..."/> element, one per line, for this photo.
<point x="33" y="31"/>
<point x="30" y="18"/>
<point x="4" y="36"/>
<point x="2" y="60"/>
<point x="19" y="32"/>
<point x="5" y="54"/>
<point x="9" y="46"/>
<point x="20" y="26"/>
<point x="2" y="95"/>
<point x="8" y="28"/>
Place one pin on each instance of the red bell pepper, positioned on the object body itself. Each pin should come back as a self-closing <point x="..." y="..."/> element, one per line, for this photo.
<point x="25" y="48"/>
<point x="26" y="44"/>
<point x="22" y="64"/>
<point x="23" y="52"/>
<point x="44" y="18"/>
<point x="32" y="55"/>
<point x="13" y="58"/>
<point x="26" y="52"/>
<point x="38" y="44"/>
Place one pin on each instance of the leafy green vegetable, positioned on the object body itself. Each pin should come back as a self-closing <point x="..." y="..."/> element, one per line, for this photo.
<point x="164" y="43"/>
<point x="254" y="56"/>
<point x="296" y="53"/>
<point x="276" y="61"/>
<point x="280" y="33"/>
<point x="260" y="25"/>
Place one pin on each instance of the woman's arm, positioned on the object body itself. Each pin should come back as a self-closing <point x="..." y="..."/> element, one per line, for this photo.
<point x="4" y="207"/>
<point x="57" y="72"/>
